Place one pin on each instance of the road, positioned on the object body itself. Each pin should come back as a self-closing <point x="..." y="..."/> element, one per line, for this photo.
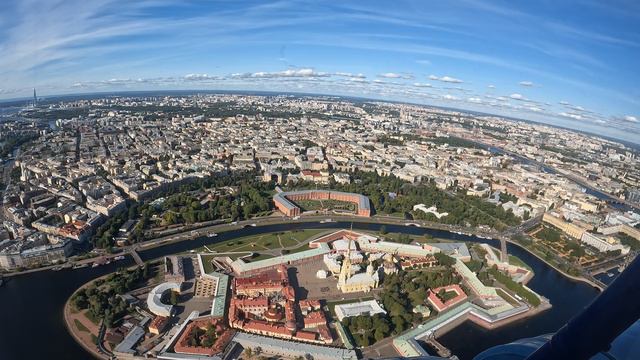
<point x="608" y="264"/>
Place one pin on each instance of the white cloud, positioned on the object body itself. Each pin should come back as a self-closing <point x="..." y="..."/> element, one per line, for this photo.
<point x="474" y="100"/>
<point x="421" y="84"/>
<point x="490" y="86"/>
<point x="290" y="73"/>
<point x="630" y="118"/>
<point x="423" y="62"/>
<point x="571" y="115"/>
<point x="526" y="83"/>
<point x="517" y="96"/>
<point x="447" y="79"/>
<point x="391" y="75"/>
<point x="449" y="97"/>
<point x="199" y="77"/>
<point x="450" y="79"/>
<point x="350" y="75"/>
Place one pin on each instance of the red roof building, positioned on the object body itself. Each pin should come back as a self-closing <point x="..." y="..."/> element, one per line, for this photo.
<point x="265" y="283"/>
<point x="222" y="337"/>
<point x="158" y="324"/>
<point x="306" y="335"/>
<point x="325" y="334"/>
<point x="314" y="319"/>
<point x="438" y="304"/>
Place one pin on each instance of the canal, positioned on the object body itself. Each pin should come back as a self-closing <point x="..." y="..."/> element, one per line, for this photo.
<point x="31" y="305"/>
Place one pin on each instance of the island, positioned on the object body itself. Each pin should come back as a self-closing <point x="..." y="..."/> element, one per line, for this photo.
<point x="336" y="294"/>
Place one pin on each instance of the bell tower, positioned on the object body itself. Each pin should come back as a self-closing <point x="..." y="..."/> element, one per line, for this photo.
<point x="345" y="270"/>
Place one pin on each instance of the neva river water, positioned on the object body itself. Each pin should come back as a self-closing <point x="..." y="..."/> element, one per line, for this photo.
<point x="32" y="325"/>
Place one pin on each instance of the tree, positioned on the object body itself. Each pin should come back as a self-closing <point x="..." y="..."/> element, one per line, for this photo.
<point x="365" y="340"/>
<point x="398" y="324"/>
<point x="80" y="302"/>
<point x="445" y="260"/>
<point x="173" y="300"/>
<point x="145" y="271"/>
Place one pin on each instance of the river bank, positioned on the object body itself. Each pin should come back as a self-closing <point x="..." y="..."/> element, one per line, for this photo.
<point x="574" y="278"/>
<point x="78" y="334"/>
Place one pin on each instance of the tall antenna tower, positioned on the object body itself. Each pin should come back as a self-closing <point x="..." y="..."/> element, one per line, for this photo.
<point x="35" y="98"/>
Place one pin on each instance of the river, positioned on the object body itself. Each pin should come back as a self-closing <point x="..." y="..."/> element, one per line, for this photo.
<point x="31" y="305"/>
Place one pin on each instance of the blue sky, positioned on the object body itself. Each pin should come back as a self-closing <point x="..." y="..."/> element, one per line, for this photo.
<point x="570" y="63"/>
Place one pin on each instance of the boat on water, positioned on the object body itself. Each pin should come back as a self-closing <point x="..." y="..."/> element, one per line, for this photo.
<point x="212" y="234"/>
<point x="80" y="266"/>
<point x="609" y="274"/>
<point x="95" y="265"/>
<point x="119" y="257"/>
<point x="56" y="268"/>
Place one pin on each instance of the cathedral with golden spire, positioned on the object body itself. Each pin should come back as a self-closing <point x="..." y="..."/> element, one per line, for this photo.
<point x="361" y="282"/>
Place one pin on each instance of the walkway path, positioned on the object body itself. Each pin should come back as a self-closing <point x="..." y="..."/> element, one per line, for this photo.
<point x="136" y="257"/>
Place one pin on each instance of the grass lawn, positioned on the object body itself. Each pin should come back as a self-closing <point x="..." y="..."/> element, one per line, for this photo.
<point x="206" y="264"/>
<point x="310" y="205"/>
<point x="507" y="297"/>
<point x="80" y="326"/>
<point x="268" y="241"/>
<point x="514" y="260"/>
<point x="394" y="236"/>
<point x="495" y="252"/>
<point x="93" y="319"/>
<point x="299" y="249"/>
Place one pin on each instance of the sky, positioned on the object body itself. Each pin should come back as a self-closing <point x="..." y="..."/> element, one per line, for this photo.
<point x="567" y="63"/>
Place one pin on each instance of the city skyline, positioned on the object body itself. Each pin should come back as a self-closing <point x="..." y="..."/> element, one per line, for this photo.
<point x="566" y="64"/>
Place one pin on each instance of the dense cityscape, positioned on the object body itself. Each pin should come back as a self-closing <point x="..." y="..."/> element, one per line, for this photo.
<point x="95" y="180"/>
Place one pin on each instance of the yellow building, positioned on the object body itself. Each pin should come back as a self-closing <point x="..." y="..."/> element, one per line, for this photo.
<point x="362" y="282"/>
<point x="568" y="228"/>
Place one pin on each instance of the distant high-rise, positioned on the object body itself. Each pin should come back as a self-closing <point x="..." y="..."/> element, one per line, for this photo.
<point x="35" y="98"/>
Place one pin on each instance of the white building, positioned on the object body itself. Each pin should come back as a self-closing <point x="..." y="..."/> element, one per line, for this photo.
<point x="369" y="308"/>
<point x="602" y="244"/>
<point x="429" y="210"/>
